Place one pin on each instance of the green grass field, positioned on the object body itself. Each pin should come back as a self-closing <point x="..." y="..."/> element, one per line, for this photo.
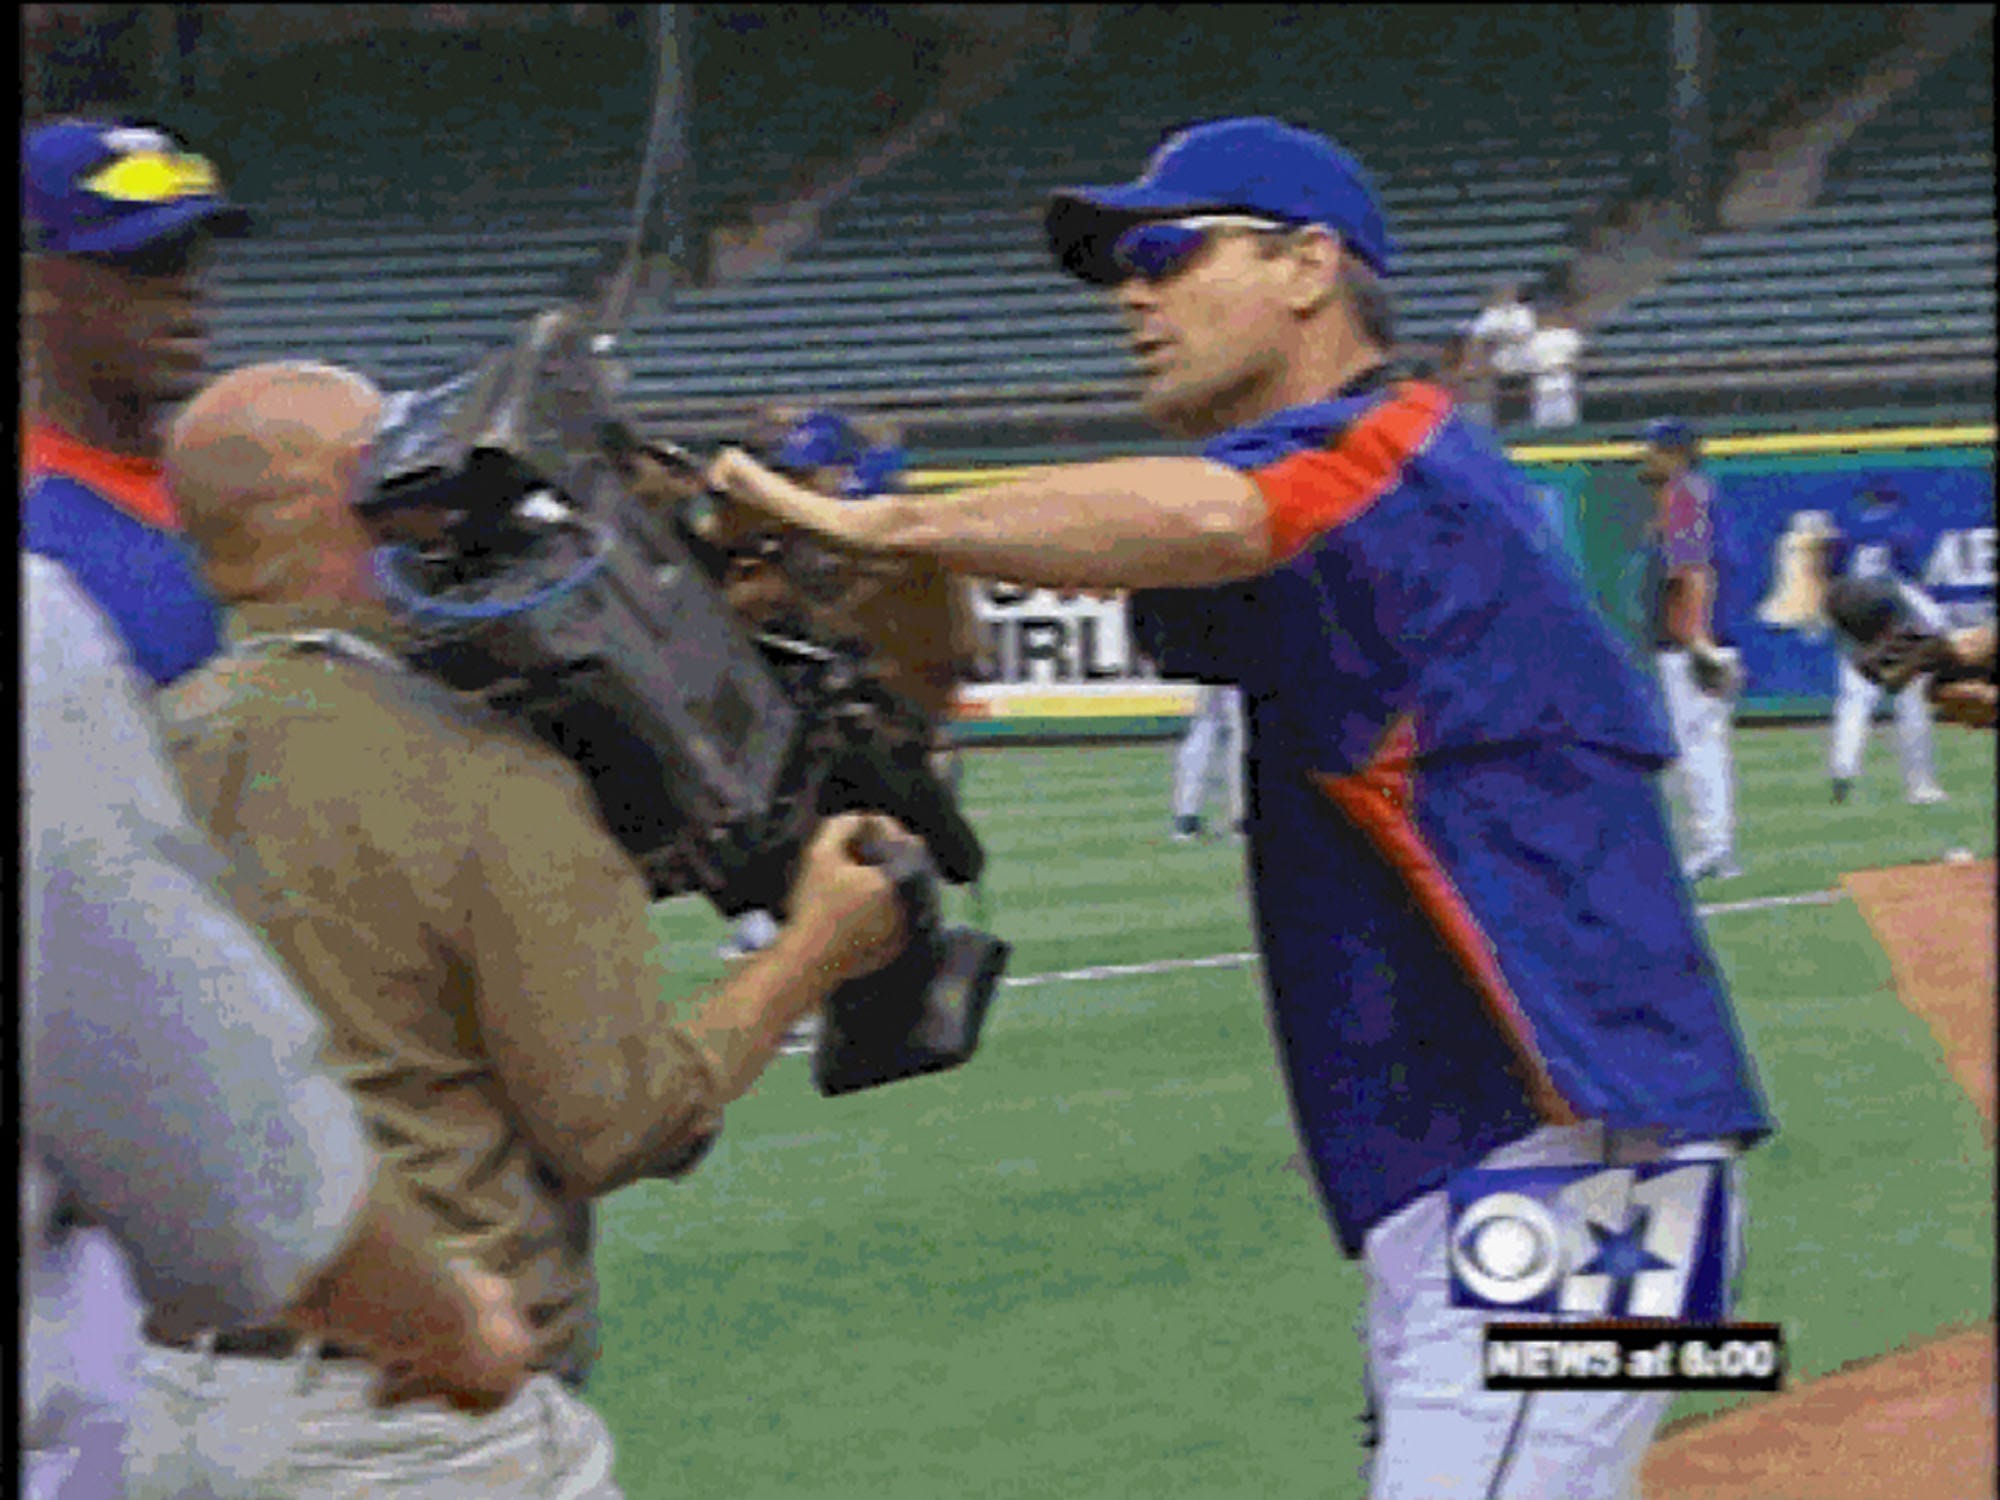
<point x="1079" y="1269"/>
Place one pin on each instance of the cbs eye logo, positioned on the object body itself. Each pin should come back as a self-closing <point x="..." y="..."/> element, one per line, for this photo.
<point x="1507" y="1250"/>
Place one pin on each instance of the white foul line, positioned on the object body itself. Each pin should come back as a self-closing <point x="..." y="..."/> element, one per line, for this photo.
<point x="1237" y="960"/>
<point x="1766" y="903"/>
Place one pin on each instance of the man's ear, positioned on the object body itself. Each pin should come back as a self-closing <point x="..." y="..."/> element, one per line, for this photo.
<point x="38" y="298"/>
<point x="1314" y="254"/>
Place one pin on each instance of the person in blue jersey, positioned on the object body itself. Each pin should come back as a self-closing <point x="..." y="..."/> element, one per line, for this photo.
<point x="1688" y="569"/>
<point x="828" y="450"/>
<point x="1881" y="540"/>
<point x="119" y="220"/>
<point x="1478" y="946"/>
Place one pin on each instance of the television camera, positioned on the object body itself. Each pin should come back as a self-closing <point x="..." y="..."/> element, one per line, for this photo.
<point x="549" y="561"/>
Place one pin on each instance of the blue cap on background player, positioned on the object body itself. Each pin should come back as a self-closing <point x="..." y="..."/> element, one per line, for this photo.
<point x="1671" y="433"/>
<point x="98" y="187"/>
<point x="1253" y="166"/>
<point x="827" y="440"/>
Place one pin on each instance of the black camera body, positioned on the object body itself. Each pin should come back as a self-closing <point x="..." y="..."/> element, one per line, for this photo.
<point x="530" y="576"/>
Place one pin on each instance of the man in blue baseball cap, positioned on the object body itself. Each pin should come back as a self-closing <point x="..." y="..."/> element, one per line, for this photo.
<point x="1878" y="539"/>
<point x="1260" y="189"/>
<point x="1477" y="947"/>
<point x="824" y="449"/>
<point x="1700" y="673"/>
<point x="828" y="444"/>
<point x="918" y="619"/>
<point x="118" y="219"/>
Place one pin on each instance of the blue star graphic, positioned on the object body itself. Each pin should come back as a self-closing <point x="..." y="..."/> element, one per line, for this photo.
<point x="1621" y="1254"/>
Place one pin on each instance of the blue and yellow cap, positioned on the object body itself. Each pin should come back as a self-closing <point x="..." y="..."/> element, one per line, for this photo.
<point x="97" y="187"/>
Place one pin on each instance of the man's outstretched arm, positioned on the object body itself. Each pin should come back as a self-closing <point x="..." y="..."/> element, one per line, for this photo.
<point x="1125" y="523"/>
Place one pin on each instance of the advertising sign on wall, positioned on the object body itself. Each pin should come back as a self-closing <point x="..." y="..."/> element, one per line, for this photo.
<point x="1947" y="496"/>
<point x="1062" y="664"/>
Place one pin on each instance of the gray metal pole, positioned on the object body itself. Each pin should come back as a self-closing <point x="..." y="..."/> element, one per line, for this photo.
<point x="662" y="239"/>
<point x="1689" y="134"/>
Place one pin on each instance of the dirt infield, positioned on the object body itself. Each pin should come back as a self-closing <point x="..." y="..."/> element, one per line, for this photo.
<point x="1936" y="924"/>
<point x="1916" y="1424"/>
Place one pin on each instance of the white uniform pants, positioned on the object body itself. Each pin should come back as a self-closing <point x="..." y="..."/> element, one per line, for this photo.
<point x="1704" y="773"/>
<point x="211" y="1427"/>
<point x="1555" y="405"/>
<point x="1854" y="712"/>
<point x="1441" y="1434"/>
<point x="1212" y="746"/>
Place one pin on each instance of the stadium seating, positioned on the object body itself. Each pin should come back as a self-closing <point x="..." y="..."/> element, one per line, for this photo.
<point x="929" y="292"/>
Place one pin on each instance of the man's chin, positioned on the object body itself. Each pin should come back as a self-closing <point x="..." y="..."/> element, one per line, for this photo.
<point x="170" y="390"/>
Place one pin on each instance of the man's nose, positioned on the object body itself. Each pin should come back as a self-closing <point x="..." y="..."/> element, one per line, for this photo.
<point x="1135" y="294"/>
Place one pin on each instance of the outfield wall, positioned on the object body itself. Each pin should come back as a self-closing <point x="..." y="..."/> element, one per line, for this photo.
<point x="1060" y="666"/>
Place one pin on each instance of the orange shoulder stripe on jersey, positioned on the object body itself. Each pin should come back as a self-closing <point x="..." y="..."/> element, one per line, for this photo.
<point x="1378" y="800"/>
<point x="135" y="485"/>
<point x="1307" y="494"/>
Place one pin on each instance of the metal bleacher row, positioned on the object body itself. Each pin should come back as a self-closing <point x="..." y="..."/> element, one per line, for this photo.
<point x="929" y="291"/>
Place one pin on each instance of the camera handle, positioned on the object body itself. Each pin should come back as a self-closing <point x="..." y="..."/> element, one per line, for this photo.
<point x="909" y="869"/>
<point x="921" y="1014"/>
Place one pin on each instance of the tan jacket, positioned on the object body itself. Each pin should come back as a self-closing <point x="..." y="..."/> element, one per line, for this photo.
<point x="443" y="889"/>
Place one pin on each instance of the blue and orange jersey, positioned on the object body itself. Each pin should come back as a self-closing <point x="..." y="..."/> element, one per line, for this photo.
<point x="109" y="520"/>
<point x="1472" y="917"/>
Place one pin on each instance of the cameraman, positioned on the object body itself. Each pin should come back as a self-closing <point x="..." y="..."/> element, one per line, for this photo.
<point x="478" y="945"/>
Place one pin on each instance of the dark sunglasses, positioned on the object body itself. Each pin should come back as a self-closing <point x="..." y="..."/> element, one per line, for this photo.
<point x="1155" y="251"/>
<point x="181" y="255"/>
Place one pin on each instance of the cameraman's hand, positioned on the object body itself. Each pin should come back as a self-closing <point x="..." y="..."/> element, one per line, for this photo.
<point x="849" y="908"/>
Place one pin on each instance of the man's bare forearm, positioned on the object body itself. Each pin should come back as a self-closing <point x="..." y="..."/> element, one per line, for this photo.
<point x="743" y="1020"/>
<point x="1126" y="523"/>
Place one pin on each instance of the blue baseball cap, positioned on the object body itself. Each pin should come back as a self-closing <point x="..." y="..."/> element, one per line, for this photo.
<point x="819" y="440"/>
<point x="827" y="440"/>
<point x="98" y="187"/>
<point x="1671" y="433"/>
<point x="1250" y="165"/>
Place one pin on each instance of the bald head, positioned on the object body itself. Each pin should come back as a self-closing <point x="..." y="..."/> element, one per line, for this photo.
<point x="263" y="465"/>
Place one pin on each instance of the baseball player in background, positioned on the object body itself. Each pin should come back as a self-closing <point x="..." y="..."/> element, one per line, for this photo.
<point x="1699" y="676"/>
<point x="1476" y="942"/>
<point x="826" y="450"/>
<point x="1213" y="743"/>
<point x="1881" y="540"/>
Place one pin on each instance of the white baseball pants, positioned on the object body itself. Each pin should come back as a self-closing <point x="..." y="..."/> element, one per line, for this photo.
<point x="1704" y="772"/>
<point x="1854" y="713"/>
<point x="1212" y="746"/>
<point x="1441" y="1434"/>
<point x="212" y="1427"/>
